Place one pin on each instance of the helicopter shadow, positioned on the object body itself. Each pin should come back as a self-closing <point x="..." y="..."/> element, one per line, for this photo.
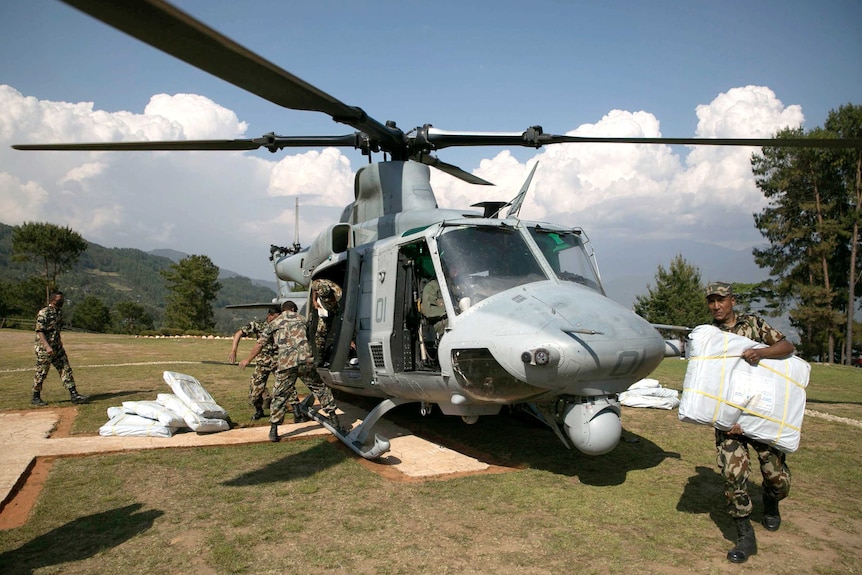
<point x="519" y="441"/>
<point x="297" y="465"/>
<point x="79" y="539"/>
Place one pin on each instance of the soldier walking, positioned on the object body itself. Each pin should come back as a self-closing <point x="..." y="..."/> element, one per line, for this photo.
<point x="49" y="350"/>
<point x="295" y="360"/>
<point x="258" y="394"/>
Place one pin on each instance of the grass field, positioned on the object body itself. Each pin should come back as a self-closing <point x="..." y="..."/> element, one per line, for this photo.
<point x="652" y="505"/>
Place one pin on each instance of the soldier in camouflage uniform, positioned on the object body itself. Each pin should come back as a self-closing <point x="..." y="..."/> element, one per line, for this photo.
<point x="732" y="445"/>
<point x="49" y="350"/>
<point x="325" y="295"/>
<point x="258" y="394"/>
<point x="295" y="360"/>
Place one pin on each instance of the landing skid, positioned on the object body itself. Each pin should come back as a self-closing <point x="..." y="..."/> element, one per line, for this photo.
<point x="357" y="437"/>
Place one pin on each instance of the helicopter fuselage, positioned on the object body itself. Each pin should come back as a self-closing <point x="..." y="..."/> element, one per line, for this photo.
<point x="527" y="320"/>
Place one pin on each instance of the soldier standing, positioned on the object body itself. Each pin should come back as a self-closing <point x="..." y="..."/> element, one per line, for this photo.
<point x="258" y="395"/>
<point x="49" y="350"/>
<point x="325" y="295"/>
<point x="732" y="445"/>
<point x="295" y="360"/>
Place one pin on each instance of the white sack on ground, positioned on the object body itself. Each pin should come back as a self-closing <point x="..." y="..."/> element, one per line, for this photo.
<point x="196" y="422"/>
<point x="130" y="425"/>
<point x="155" y="410"/>
<point x="193" y="394"/>
<point x="650" y="393"/>
<point x="720" y="389"/>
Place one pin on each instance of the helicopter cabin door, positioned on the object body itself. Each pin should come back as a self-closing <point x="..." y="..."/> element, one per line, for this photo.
<point x="344" y="332"/>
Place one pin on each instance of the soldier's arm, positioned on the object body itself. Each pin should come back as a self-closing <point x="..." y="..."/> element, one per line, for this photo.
<point x="254" y="351"/>
<point x="231" y="358"/>
<point x="44" y="341"/>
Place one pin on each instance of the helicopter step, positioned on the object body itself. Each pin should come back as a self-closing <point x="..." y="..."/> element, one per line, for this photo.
<point x="357" y="438"/>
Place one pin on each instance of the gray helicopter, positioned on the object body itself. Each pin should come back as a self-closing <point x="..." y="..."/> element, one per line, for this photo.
<point x="527" y="321"/>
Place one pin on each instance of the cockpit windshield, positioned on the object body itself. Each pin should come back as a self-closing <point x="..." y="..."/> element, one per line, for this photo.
<point x="480" y="261"/>
<point x="565" y="251"/>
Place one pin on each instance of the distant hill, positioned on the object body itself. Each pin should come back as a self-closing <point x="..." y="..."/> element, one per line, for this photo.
<point x="126" y="274"/>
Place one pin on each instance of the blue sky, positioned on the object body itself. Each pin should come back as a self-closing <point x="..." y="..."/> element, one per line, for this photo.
<point x="496" y="66"/>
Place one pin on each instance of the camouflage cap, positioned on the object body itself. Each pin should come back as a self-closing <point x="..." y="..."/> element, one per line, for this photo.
<point x="719" y="288"/>
<point x="321" y="287"/>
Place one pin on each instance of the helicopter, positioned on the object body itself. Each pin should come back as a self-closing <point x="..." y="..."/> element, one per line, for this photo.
<point x="528" y="323"/>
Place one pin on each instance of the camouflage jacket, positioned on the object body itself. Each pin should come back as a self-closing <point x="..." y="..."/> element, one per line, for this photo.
<point x="288" y="333"/>
<point x="50" y="322"/>
<point x="254" y="329"/>
<point x="328" y="292"/>
<point x="754" y="328"/>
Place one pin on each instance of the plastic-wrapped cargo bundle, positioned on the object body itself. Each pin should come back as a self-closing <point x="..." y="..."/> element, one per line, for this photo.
<point x="194" y="421"/>
<point x="720" y="389"/>
<point x="193" y="394"/>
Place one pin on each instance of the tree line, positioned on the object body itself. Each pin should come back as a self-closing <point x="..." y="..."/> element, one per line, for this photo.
<point x="812" y="225"/>
<point x="52" y="251"/>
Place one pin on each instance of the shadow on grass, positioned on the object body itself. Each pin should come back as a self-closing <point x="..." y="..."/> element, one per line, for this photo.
<point x="295" y="466"/>
<point x="79" y="539"/>
<point x="704" y="493"/>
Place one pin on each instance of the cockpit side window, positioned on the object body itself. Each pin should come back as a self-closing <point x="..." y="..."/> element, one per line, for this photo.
<point x="567" y="255"/>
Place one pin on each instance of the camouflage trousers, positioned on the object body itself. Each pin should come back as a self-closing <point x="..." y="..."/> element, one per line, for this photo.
<point x="258" y="394"/>
<point x="284" y="394"/>
<point x="60" y="361"/>
<point x="734" y="462"/>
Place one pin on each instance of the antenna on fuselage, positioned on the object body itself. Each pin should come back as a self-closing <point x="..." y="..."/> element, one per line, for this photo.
<point x="519" y="199"/>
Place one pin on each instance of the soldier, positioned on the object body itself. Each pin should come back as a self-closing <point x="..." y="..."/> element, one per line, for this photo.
<point x="432" y="307"/>
<point x="258" y="395"/>
<point x="288" y="331"/>
<point x="325" y="295"/>
<point x="732" y="446"/>
<point x="49" y="350"/>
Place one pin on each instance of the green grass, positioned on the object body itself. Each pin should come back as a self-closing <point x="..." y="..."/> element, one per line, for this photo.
<point x="652" y="505"/>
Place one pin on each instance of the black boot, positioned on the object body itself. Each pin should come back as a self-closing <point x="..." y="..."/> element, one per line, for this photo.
<point x="334" y="422"/>
<point x="37" y="399"/>
<point x="771" y="516"/>
<point x="746" y="545"/>
<point x="258" y="410"/>
<point x="77" y="397"/>
<point x="298" y="415"/>
<point x="273" y="432"/>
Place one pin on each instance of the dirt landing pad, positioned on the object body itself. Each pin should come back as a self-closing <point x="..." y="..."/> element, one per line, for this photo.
<point x="28" y="435"/>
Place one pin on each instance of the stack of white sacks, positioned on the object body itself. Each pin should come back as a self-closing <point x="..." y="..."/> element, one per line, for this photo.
<point x="649" y="393"/>
<point x="190" y="406"/>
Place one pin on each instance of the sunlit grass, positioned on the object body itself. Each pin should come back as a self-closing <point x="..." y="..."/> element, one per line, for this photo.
<point x="652" y="505"/>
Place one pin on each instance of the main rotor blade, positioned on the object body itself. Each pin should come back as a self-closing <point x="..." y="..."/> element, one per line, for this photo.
<point x="171" y="30"/>
<point x="270" y="141"/>
<point x="450" y="169"/>
<point x="535" y="138"/>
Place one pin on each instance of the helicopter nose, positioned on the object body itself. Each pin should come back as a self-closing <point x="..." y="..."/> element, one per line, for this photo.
<point x="550" y="339"/>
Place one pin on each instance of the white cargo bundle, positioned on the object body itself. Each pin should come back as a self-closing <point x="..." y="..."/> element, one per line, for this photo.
<point x="155" y="410"/>
<point x="193" y="394"/>
<point x="130" y="425"/>
<point x="720" y="389"/>
<point x="649" y="393"/>
<point x="196" y="422"/>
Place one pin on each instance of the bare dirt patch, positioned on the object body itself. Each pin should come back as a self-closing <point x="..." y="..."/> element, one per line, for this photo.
<point x="17" y="508"/>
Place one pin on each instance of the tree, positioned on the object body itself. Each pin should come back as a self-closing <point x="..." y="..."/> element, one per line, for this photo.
<point x="847" y="123"/>
<point x="678" y="297"/>
<point x="91" y="314"/>
<point x="130" y="317"/>
<point x="806" y="223"/>
<point x="54" y="248"/>
<point x="193" y="285"/>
